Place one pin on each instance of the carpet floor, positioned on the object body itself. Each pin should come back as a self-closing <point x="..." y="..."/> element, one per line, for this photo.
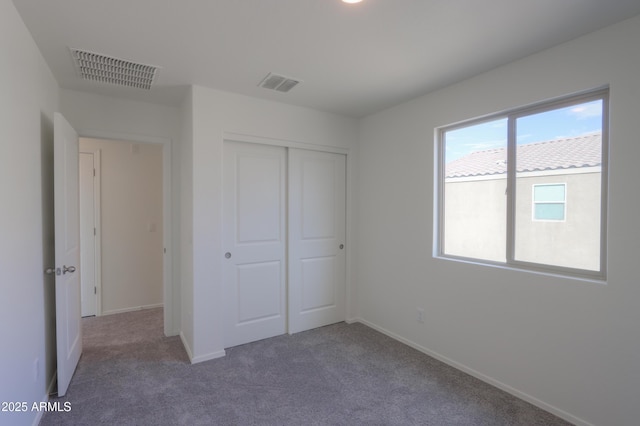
<point x="130" y="374"/>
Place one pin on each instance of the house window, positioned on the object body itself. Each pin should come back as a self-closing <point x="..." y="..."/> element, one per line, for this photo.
<point x="549" y="201"/>
<point x="498" y="173"/>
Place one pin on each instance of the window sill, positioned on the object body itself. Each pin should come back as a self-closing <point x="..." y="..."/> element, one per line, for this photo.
<point x="530" y="270"/>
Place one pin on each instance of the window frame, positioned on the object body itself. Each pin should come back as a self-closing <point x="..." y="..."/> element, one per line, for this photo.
<point x="534" y="203"/>
<point x="602" y="94"/>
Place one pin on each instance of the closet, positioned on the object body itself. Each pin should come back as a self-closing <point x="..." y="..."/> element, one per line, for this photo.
<point x="284" y="240"/>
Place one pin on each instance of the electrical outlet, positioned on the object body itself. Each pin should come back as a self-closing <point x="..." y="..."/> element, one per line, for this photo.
<point x="420" y="315"/>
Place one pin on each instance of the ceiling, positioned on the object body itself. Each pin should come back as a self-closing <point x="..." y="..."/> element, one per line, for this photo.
<point x="353" y="59"/>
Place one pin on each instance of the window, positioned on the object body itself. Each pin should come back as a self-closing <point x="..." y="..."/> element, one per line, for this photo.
<point x="549" y="201"/>
<point x="526" y="188"/>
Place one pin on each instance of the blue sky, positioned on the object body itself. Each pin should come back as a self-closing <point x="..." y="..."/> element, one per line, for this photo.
<point x="571" y="121"/>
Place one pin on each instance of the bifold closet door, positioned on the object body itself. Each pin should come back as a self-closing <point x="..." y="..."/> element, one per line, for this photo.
<point x="254" y="241"/>
<point x="317" y="227"/>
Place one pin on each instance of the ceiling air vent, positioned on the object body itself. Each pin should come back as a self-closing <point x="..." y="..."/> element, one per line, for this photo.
<point x="279" y="83"/>
<point x="107" y="69"/>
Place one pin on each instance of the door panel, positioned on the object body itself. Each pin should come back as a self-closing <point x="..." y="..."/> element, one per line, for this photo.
<point x="315" y="273"/>
<point x="259" y="198"/>
<point x="317" y="260"/>
<point x="254" y="241"/>
<point x="317" y="186"/>
<point x="258" y="287"/>
<point x="67" y="245"/>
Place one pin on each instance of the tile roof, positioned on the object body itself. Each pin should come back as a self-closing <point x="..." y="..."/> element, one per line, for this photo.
<point x="566" y="153"/>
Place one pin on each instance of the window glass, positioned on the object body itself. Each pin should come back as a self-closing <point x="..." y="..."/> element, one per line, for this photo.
<point x="548" y="193"/>
<point x="549" y="211"/>
<point x="549" y="202"/>
<point x="558" y="148"/>
<point x="525" y="187"/>
<point x="474" y="191"/>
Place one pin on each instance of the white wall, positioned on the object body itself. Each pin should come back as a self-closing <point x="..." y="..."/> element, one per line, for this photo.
<point x="214" y="113"/>
<point x="131" y="223"/>
<point x="112" y="118"/>
<point x="27" y="316"/>
<point x="571" y="346"/>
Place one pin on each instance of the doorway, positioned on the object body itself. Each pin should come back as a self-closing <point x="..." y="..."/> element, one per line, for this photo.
<point x="127" y="230"/>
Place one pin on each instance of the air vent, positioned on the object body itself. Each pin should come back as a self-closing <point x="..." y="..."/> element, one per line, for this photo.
<point x="107" y="69"/>
<point x="279" y="83"/>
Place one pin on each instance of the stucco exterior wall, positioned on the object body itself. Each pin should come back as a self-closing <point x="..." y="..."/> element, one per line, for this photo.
<point x="475" y="221"/>
<point x="574" y="242"/>
<point x="475" y="218"/>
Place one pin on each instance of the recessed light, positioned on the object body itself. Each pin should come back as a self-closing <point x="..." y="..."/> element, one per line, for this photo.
<point x="351" y="1"/>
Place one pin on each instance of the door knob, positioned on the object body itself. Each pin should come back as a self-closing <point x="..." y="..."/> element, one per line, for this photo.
<point x="227" y="255"/>
<point x="341" y="246"/>
<point x="69" y="269"/>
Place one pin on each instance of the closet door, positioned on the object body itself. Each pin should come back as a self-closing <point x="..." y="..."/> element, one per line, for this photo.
<point x="317" y="261"/>
<point x="255" y="242"/>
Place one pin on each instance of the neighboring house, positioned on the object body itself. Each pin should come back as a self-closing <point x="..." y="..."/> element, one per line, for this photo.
<point x="557" y="203"/>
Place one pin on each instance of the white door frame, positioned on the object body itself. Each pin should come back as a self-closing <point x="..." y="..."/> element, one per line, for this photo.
<point x="170" y="293"/>
<point x="97" y="185"/>
<point x="240" y="137"/>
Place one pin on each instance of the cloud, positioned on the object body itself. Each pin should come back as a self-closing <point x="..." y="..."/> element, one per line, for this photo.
<point x="585" y="111"/>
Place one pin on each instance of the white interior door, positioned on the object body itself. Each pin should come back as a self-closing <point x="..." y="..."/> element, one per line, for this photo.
<point x="255" y="242"/>
<point x="88" y="284"/>
<point x="67" y="245"/>
<point x="317" y="226"/>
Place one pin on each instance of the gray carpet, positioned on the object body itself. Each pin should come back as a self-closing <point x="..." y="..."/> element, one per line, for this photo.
<point x="130" y="374"/>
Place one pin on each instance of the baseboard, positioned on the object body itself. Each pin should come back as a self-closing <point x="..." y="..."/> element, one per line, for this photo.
<point x="187" y="348"/>
<point x="201" y="358"/>
<point x="208" y="357"/>
<point x="45" y="398"/>
<point x="515" y="392"/>
<point x="39" y="413"/>
<point x="132" y="309"/>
